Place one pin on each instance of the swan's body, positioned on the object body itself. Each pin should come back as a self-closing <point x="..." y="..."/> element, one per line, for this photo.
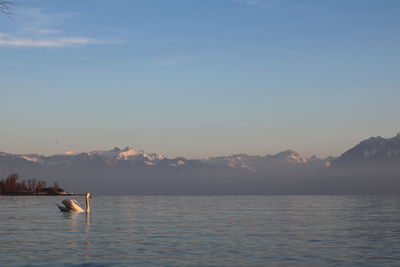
<point x="71" y="205"/>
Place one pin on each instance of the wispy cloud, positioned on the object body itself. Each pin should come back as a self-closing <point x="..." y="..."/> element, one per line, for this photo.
<point x="307" y="9"/>
<point x="258" y="3"/>
<point x="269" y="127"/>
<point x="109" y="2"/>
<point x="47" y="31"/>
<point x="34" y="20"/>
<point x="36" y="28"/>
<point x="56" y="42"/>
<point x="177" y="60"/>
<point x="170" y="61"/>
<point x="112" y="29"/>
<point x="279" y="3"/>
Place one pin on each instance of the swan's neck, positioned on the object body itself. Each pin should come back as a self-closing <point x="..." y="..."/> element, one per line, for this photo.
<point x="87" y="205"/>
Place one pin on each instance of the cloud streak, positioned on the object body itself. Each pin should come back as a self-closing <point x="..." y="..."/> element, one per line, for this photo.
<point x="177" y="60"/>
<point x="258" y="3"/>
<point x="36" y="28"/>
<point x="56" y="42"/>
<point x="270" y="4"/>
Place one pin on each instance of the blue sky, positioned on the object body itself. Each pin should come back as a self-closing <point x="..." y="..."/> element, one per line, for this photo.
<point x="199" y="78"/>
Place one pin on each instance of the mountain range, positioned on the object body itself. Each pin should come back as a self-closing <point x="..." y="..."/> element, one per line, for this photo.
<point x="135" y="158"/>
<point x="373" y="151"/>
<point x="132" y="171"/>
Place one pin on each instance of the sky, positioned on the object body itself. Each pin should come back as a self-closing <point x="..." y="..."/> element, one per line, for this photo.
<point x="199" y="78"/>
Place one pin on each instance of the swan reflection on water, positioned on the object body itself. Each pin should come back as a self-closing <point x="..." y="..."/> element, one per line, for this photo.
<point x="76" y="221"/>
<point x="78" y="224"/>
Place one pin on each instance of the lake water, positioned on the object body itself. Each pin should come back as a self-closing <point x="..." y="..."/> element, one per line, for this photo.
<point x="202" y="230"/>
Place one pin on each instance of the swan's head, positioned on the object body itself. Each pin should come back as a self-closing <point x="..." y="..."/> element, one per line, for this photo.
<point x="88" y="195"/>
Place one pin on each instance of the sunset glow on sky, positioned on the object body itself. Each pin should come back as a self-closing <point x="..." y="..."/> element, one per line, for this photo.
<point x="199" y="78"/>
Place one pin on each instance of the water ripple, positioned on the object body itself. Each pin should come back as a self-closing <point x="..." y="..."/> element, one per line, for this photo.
<point x="202" y="230"/>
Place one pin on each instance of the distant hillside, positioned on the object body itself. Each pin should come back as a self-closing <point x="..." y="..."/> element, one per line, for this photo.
<point x="138" y="158"/>
<point x="283" y="162"/>
<point x="374" y="155"/>
<point x="372" y="166"/>
<point x="124" y="171"/>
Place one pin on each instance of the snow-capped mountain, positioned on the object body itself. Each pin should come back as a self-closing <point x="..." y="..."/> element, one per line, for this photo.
<point x="126" y="170"/>
<point x="133" y="171"/>
<point x="128" y="153"/>
<point x="109" y="157"/>
<point x="372" y="150"/>
<point x="134" y="157"/>
<point x="280" y="161"/>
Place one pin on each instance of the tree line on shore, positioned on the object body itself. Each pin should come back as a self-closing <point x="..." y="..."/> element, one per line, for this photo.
<point x="11" y="186"/>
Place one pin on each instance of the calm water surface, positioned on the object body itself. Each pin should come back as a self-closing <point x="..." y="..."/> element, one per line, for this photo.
<point x="203" y="230"/>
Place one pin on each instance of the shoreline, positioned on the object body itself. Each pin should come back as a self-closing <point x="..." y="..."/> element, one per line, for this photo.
<point x="42" y="194"/>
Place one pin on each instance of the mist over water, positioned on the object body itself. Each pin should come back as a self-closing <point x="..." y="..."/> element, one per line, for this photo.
<point x="202" y="230"/>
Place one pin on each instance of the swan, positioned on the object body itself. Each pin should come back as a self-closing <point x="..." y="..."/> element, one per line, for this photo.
<point x="71" y="205"/>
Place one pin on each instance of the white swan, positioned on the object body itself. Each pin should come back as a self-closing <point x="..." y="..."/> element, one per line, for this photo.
<point x="71" y="205"/>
